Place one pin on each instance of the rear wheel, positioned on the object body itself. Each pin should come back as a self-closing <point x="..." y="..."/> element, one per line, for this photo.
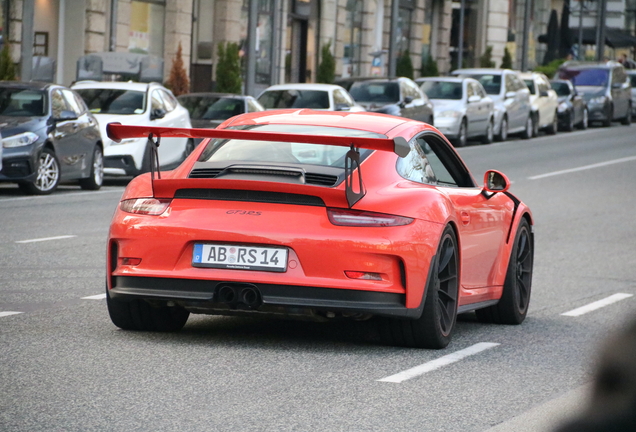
<point x="503" y="130"/>
<point x="48" y="175"/>
<point x="528" y="132"/>
<point x="462" y="135"/>
<point x="569" y="122"/>
<point x="627" y="120"/>
<point x="435" y="326"/>
<point x="96" y="178"/>
<point x="608" y="117"/>
<point x="140" y="315"/>
<point x="488" y="136"/>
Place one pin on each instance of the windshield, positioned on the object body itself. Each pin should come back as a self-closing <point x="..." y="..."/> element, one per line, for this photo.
<point x="114" y="101"/>
<point x="561" y="88"/>
<point x="442" y="90"/>
<point x="317" y="99"/>
<point x="212" y="107"/>
<point x="530" y="84"/>
<point x="586" y="77"/>
<point x="18" y="102"/>
<point x="491" y="82"/>
<point x="284" y="152"/>
<point x="383" y="92"/>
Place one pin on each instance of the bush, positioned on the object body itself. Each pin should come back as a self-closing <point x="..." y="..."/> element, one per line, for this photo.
<point x="506" y="61"/>
<point x="228" y="69"/>
<point x="327" y="67"/>
<point x="178" y="81"/>
<point x="404" y="65"/>
<point x="7" y="67"/>
<point x="551" y="68"/>
<point x="429" y="68"/>
<point x="485" y="60"/>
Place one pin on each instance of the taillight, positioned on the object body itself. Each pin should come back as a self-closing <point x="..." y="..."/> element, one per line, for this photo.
<point x="145" y="206"/>
<point x="344" y="217"/>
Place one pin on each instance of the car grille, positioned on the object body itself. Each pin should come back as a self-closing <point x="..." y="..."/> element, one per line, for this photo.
<point x="310" y="178"/>
<point x="249" y="196"/>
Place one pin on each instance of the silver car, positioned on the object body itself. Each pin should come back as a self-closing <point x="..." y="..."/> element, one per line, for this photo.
<point x="511" y="98"/>
<point x="463" y="110"/>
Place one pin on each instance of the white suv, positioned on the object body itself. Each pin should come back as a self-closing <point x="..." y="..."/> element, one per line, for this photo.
<point x="544" y="100"/>
<point x="133" y="103"/>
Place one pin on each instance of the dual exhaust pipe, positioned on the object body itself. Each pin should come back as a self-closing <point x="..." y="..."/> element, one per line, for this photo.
<point x="234" y="295"/>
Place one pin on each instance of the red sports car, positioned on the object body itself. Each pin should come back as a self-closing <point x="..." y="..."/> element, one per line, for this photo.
<point x="321" y="215"/>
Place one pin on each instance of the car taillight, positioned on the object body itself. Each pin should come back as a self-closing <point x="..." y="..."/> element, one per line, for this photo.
<point x="145" y="206"/>
<point x="344" y="217"/>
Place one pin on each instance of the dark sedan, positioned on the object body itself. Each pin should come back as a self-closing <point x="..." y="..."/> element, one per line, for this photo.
<point x="208" y="110"/>
<point x="400" y="97"/>
<point x="48" y="136"/>
<point x="572" y="110"/>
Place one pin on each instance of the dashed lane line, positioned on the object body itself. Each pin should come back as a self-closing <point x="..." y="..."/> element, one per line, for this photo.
<point x="597" y="305"/>
<point x="8" y="313"/>
<point x="45" y="239"/>
<point x="583" y="168"/>
<point x="95" y="297"/>
<point x="438" y="363"/>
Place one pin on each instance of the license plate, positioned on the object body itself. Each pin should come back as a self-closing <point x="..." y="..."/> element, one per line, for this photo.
<point x="239" y="257"/>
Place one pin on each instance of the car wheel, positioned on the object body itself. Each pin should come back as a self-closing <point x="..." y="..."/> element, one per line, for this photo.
<point x="554" y="126"/>
<point x="462" y="135"/>
<point x="189" y="148"/>
<point x="488" y="136"/>
<point x="529" y="130"/>
<point x="513" y="305"/>
<point x="140" y="315"/>
<point x="608" y="117"/>
<point x="435" y="326"/>
<point x="96" y="178"/>
<point x="569" y="124"/>
<point x="535" y="125"/>
<point x="48" y="175"/>
<point x="503" y="130"/>
<point x="584" y="123"/>
<point x="627" y="120"/>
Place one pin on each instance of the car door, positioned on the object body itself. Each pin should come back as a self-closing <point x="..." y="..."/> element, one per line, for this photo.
<point x="163" y="114"/>
<point x="513" y="103"/>
<point x="85" y="134"/>
<point x="472" y="108"/>
<point x="64" y="136"/>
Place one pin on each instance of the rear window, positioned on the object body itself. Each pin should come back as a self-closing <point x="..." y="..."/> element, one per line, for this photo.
<point x="316" y="99"/>
<point x="284" y="152"/>
<point x="385" y="92"/>
<point x="212" y="108"/>
<point x="18" y="102"/>
<point x="586" y="77"/>
<point x="114" y="101"/>
<point x="442" y="90"/>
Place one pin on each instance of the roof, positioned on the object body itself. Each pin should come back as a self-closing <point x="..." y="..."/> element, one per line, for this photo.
<point x="212" y="94"/>
<point x="303" y="86"/>
<point x="445" y="78"/>
<point x="127" y="85"/>
<point x="35" y="85"/>
<point x="494" y="71"/>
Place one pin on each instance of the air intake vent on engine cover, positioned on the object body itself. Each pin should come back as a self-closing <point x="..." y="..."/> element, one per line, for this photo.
<point x="310" y="178"/>
<point x="250" y="196"/>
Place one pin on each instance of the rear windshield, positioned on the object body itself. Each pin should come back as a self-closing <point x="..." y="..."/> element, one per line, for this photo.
<point x="491" y="82"/>
<point x="114" y="101"/>
<point x="18" y="102"/>
<point x="442" y="90"/>
<point x="284" y="152"/>
<point x="384" y="92"/>
<point x="586" y="77"/>
<point x="212" y="107"/>
<point x="317" y="99"/>
<point x="561" y="88"/>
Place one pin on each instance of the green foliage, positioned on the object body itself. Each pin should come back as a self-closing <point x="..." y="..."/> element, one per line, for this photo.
<point x="485" y="60"/>
<point x="429" y="68"/>
<point x="7" y="67"/>
<point x="327" y="67"/>
<point x="404" y="65"/>
<point x="506" y="61"/>
<point x="228" y="69"/>
<point x="551" y="68"/>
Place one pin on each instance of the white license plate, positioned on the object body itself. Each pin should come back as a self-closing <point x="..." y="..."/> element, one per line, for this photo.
<point x="239" y="257"/>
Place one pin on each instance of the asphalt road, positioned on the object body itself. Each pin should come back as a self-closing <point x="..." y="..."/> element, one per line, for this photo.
<point x="65" y="367"/>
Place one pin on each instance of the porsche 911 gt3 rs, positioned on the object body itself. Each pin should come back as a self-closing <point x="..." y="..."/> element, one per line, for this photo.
<point x="320" y="215"/>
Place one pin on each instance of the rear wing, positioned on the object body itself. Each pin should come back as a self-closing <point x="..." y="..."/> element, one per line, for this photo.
<point x="398" y="145"/>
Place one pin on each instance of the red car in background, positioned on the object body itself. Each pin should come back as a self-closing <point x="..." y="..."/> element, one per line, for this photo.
<point x="322" y="215"/>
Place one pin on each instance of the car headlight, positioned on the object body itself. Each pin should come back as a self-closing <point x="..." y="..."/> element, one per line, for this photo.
<point x="447" y="114"/>
<point x="19" y="140"/>
<point x="563" y="106"/>
<point x="598" y="100"/>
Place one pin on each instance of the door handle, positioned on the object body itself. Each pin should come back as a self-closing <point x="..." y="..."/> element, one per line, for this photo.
<point x="465" y="216"/>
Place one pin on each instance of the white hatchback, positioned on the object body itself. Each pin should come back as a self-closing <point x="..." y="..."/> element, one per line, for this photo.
<point x="141" y="104"/>
<point x="544" y="102"/>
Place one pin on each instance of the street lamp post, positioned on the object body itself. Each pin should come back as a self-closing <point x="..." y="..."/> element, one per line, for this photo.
<point x="600" y="30"/>
<point x="526" y="35"/>
<point x="579" y="55"/>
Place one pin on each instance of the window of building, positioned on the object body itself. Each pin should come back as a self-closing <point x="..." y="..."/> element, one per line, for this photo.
<point x="353" y="38"/>
<point x="404" y="25"/>
<point x="147" y="27"/>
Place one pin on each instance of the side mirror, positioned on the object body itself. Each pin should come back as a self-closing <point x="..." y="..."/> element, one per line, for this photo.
<point x="157" y="113"/>
<point x="66" y="115"/>
<point x="474" y="99"/>
<point x="408" y="99"/>
<point x="495" y="181"/>
<point x="511" y="94"/>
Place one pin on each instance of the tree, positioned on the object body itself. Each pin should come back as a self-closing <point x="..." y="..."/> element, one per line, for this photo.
<point x="228" y="69"/>
<point x="485" y="60"/>
<point x="429" y="68"/>
<point x="404" y="65"/>
<point x="327" y="67"/>
<point x="178" y="81"/>
<point x="506" y="61"/>
<point x="7" y="67"/>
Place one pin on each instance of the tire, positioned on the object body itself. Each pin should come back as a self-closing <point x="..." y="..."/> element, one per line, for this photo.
<point x="515" y="299"/>
<point x="503" y="130"/>
<point x="488" y="136"/>
<point x="48" y="175"/>
<point x="528" y="132"/>
<point x="627" y="120"/>
<point x="140" y="315"/>
<point x="552" y="129"/>
<point x="96" y="178"/>
<point x="462" y="136"/>
<point x="433" y="329"/>
<point x="608" y="120"/>
<point x="584" y="123"/>
<point x="535" y="125"/>
<point x="569" y="125"/>
<point x="190" y="146"/>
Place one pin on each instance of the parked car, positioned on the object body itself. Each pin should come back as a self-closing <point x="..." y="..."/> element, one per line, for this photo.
<point x="251" y="224"/>
<point x="48" y="136"/>
<point x="463" y="110"/>
<point x="544" y="103"/>
<point x="347" y="82"/>
<point x="136" y="103"/>
<point x="208" y="110"/>
<point x="400" y="97"/>
<point x="511" y="96"/>
<point x="606" y="88"/>
<point x="572" y="107"/>
<point x="631" y="73"/>
<point x="315" y="96"/>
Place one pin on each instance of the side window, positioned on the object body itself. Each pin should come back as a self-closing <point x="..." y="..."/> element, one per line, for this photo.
<point x="252" y="107"/>
<point x="413" y="91"/>
<point x="444" y="177"/>
<point x="415" y="166"/>
<point x="57" y="103"/>
<point x="510" y="83"/>
<point x="470" y="90"/>
<point x="80" y="102"/>
<point x="156" y="101"/>
<point x="480" y="90"/>
<point x="339" y="98"/>
<point x="169" y="101"/>
<point x="72" y="102"/>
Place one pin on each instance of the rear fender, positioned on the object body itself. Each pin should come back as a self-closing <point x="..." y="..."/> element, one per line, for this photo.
<point x="522" y="212"/>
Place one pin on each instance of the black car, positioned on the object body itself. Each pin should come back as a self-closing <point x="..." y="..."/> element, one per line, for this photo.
<point x="605" y="87"/>
<point x="400" y="97"/>
<point x="208" y="110"/>
<point x="572" y="109"/>
<point x="48" y="136"/>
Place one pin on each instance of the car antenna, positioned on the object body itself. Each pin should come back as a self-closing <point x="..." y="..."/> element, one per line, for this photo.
<point x="154" y="160"/>
<point x="352" y="161"/>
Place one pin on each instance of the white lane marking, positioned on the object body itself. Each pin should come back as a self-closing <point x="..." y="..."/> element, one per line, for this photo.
<point x="46" y="239"/>
<point x="438" y="363"/>
<point x="61" y="195"/>
<point x="8" y="313"/>
<point x="95" y="297"/>
<point x="583" y="168"/>
<point x="597" y="304"/>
